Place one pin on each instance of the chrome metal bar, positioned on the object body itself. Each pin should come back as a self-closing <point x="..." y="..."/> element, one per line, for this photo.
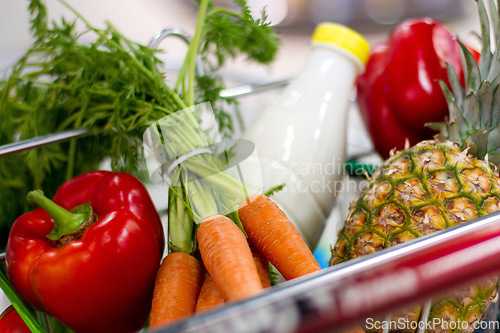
<point x="179" y="33"/>
<point x="48" y="139"/>
<point x="162" y="34"/>
<point x="248" y="89"/>
<point x="424" y="315"/>
<point x="46" y="322"/>
<point x="387" y="319"/>
<point x="43" y="140"/>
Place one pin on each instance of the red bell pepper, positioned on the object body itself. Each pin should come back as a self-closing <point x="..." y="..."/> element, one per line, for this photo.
<point x="93" y="268"/>
<point x="399" y="92"/>
<point x="11" y="322"/>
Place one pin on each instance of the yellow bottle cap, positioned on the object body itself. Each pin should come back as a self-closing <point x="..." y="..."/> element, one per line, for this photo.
<point x="344" y="38"/>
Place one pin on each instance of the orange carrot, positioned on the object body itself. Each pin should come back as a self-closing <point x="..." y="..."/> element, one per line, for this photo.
<point x="228" y="259"/>
<point x="210" y="295"/>
<point x="176" y="289"/>
<point x="262" y="265"/>
<point x="275" y="236"/>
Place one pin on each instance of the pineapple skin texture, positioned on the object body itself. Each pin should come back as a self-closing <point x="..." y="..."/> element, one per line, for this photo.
<point x="418" y="191"/>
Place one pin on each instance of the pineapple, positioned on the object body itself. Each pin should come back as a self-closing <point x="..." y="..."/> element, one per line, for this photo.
<point x="441" y="182"/>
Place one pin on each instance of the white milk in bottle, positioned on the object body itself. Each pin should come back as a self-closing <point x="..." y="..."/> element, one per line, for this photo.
<point x="300" y="138"/>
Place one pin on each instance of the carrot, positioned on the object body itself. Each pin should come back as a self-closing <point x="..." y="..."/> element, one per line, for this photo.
<point x="176" y="289"/>
<point x="275" y="236"/>
<point x="210" y="295"/>
<point x="262" y="265"/>
<point x="228" y="259"/>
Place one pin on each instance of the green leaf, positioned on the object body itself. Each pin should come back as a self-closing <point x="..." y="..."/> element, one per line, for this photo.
<point x="458" y="120"/>
<point x="438" y="127"/>
<point x="23" y="310"/>
<point x="275" y="189"/>
<point x="473" y="149"/>
<point x="457" y="93"/>
<point x="486" y="56"/>
<point x="228" y="35"/>
<point x="473" y="76"/>
<point x="485" y="99"/>
<point x="494" y="69"/>
<point x="495" y="16"/>
<point x="495" y="19"/>
<point x="495" y="113"/>
<point x="441" y="137"/>
<point x="454" y="133"/>
<point x="471" y="112"/>
<point x="479" y="138"/>
<point x="494" y="139"/>
<point x="494" y="158"/>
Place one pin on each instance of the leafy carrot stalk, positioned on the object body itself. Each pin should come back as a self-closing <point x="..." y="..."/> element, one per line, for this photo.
<point x="210" y="296"/>
<point x="275" y="236"/>
<point x="176" y="289"/>
<point x="262" y="265"/>
<point x="228" y="259"/>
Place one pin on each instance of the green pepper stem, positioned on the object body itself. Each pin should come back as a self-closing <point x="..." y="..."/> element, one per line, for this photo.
<point x="66" y="222"/>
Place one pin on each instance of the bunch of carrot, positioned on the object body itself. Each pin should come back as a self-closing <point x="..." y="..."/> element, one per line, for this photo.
<point x="231" y="266"/>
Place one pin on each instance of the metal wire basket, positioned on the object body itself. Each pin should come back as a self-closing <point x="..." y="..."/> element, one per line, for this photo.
<point x="346" y="294"/>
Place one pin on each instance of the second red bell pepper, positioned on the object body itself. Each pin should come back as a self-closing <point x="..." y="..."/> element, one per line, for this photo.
<point x="399" y="92"/>
<point x="93" y="270"/>
<point x="11" y="322"/>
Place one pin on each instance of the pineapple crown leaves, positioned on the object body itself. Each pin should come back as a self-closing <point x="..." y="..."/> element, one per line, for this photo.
<point x="474" y="111"/>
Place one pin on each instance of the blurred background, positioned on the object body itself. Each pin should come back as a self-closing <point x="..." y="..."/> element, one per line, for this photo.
<point x="294" y="19"/>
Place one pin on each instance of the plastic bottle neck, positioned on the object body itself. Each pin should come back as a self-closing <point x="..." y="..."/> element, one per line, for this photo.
<point x="325" y="67"/>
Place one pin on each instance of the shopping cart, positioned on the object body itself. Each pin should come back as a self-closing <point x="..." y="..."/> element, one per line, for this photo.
<point x="350" y="293"/>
